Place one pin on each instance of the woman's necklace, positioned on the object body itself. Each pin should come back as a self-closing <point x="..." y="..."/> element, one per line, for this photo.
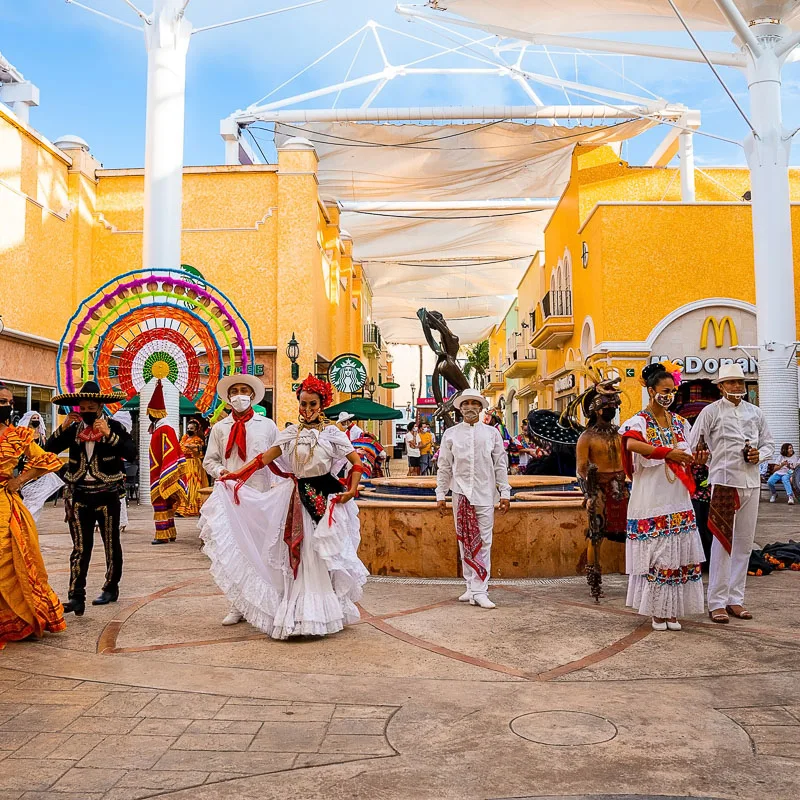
<point x="666" y="437"/>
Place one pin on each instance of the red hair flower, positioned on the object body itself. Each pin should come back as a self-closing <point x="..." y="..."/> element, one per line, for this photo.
<point x="322" y="389"/>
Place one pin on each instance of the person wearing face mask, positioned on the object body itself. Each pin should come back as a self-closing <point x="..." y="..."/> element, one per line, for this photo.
<point x="168" y="488"/>
<point x="473" y="465"/>
<point x="237" y="439"/>
<point x="95" y="479"/>
<point x="739" y="439"/>
<point x="192" y="445"/>
<point x="412" y="450"/>
<point x="28" y="606"/>
<point x="34" y="421"/>
<point x="663" y="550"/>
<point x="287" y="558"/>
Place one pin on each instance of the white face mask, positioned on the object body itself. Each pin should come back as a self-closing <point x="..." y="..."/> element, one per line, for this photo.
<point x="735" y="395"/>
<point x="241" y="402"/>
<point x="470" y="414"/>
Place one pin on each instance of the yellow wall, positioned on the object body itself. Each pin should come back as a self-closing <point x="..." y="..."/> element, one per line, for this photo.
<point x="259" y="233"/>
<point x="648" y="255"/>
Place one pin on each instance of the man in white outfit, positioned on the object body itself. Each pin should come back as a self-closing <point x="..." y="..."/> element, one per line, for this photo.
<point x="473" y="464"/>
<point x="738" y="438"/>
<point x="239" y="438"/>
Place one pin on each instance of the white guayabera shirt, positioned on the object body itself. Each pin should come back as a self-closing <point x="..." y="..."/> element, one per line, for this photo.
<point x="473" y="462"/>
<point x="726" y="427"/>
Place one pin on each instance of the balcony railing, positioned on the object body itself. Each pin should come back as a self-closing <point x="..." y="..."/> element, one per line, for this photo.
<point x="494" y="377"/>
<point x="372" y="337"/>
<point x="557" y="304"/>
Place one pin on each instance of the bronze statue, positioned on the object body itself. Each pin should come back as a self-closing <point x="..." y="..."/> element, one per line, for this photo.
<point x="601" y="473"/>
<point x="446" y="364"/>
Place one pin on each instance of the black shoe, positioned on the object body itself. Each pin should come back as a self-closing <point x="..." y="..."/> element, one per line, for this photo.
<point x="76" y="607"/>
<point x="106" y="597"/>
<point x="160" y="541"/>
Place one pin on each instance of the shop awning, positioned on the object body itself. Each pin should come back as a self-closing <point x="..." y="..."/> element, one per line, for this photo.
<point x="363" y="408"/>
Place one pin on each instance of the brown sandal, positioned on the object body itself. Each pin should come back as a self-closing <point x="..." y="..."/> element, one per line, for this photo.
<point x="719" y="615"/>
<point x="743" y="614"/>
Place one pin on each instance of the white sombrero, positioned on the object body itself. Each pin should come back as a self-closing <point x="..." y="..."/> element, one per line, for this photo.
<point x="249" y="380"/>
<point x="471" y="394"/>
<point x="345" y="417"/>
<point x="729" y="372"/>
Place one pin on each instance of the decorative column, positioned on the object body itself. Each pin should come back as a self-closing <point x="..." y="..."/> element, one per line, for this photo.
<point x="299" y="264"/>
<point x="167" y="41"/>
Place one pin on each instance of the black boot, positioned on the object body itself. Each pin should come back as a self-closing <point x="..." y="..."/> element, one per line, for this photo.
<point x="76" y="607"/>
<point x="106" y="596"/>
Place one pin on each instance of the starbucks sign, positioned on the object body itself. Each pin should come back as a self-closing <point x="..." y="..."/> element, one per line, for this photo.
<point x="347" y="374"/>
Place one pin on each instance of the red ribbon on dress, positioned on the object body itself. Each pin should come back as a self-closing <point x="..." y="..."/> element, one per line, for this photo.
<point x="238" y="435"/>
<point x="660" y="453"/>
<point x="468" y="532"/>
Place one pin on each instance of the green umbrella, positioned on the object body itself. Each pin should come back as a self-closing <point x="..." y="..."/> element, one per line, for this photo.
<point x="187" y="407"/>
<point x="362" y="408"/>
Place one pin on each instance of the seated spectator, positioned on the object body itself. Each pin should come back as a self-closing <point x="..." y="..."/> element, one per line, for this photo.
<point x="785" y="469"/>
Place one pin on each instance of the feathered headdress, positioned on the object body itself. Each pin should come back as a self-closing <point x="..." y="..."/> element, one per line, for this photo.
<point x="322" y="389"/>
<point x="602" y="390"/>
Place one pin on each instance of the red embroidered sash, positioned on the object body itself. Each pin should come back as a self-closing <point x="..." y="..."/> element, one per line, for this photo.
<point x="468" y="532"/>
<point x="660" y="453"/>
<point x="725" y="503"/>
<point x="238" y="435"/>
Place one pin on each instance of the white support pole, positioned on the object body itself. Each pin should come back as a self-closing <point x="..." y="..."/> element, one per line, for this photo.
<point x="167" y="41"/>
<point x="230" y="133"/>
<point x="768" y="157"/>
<point x="521" y="204"/>
<point x="686" y="154"/>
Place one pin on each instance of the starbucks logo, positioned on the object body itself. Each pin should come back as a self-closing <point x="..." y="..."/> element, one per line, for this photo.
<point x="347" y="374"/>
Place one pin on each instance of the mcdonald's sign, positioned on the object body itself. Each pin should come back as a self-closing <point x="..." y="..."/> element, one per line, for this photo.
<point x="719" y="331"/>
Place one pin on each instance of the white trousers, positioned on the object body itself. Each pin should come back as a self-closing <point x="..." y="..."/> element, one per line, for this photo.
<point x="727" y="574"/>
<point x="485" y="515"/>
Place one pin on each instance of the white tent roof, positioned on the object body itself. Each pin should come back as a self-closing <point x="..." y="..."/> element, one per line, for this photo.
<point x="581" y="16"/>
<point x="462" y="263"/>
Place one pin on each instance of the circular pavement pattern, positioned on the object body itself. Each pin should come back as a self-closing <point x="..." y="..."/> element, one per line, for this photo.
<point x="563" y="728"/>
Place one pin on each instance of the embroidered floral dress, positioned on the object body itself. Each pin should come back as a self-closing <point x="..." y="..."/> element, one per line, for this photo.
<point x="290" y="571"/>
<point x="663" y="551"/>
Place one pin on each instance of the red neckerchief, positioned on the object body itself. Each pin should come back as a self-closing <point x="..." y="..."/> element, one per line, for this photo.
<point x="89" y="434"/>
<point x="238" y="436"/>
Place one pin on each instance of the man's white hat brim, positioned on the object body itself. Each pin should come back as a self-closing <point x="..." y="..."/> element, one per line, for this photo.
<point x="249" y="380"/>
<point x="345" y="417"/>
<point x="471" y="394"/>
<point x="729" y="372"/>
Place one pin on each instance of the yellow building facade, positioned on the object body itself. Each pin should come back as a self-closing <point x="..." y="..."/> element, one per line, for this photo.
<point x="631" y="274"/>
<point x="260" y="233"/>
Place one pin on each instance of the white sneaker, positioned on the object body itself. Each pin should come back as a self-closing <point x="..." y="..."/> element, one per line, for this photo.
<point x="791" y="500"/>
<point x="481" y="600"/>
<point x="772" y="498"/>
<point x="466" y="597"/>
<point x="234" y="617"/>
<point x="659" y="626"/>
<point x="674" y="626"/>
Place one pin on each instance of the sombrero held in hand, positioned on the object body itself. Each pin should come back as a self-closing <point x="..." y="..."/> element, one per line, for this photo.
<point x="89" y="391"/>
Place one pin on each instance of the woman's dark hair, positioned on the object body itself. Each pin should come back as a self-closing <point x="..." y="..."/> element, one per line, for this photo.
<point x="785" y="448"/>
<point x="653" y="373"/>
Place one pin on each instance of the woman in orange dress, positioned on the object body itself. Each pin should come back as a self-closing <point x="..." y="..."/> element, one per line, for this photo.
<point x="193" y="445"/>
<point x="28" y="606"/>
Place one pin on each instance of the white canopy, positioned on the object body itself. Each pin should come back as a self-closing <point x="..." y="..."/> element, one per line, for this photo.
<point x="465" y="264"/>
<point x="581" y="16"/>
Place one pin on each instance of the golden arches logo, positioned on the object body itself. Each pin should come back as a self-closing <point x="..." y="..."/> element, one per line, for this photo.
<point x="719" y="331"/>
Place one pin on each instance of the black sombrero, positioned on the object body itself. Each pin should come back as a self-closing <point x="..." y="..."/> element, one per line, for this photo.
<point x="545" y="426"/>
<point x="89" y="391"/>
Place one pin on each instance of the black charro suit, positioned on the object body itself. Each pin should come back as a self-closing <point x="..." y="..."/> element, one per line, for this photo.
<point x="95" y="484"/>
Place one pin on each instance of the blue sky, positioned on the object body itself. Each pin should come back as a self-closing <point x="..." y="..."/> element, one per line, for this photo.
<point x="91" y="73"/>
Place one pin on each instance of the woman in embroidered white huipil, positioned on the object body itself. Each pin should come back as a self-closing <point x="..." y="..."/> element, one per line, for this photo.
<point x="287" y="558"/>
<point x="663" y="550"/>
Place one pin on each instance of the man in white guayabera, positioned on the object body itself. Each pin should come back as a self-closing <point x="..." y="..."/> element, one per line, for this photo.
<point x="239" y="438"/>
<point x="736" y="434"/>
<point x="473" y="464"/>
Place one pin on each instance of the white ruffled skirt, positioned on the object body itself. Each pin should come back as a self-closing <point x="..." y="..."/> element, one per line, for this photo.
<point x="663" y="550"/>
<point x="250" y="562"/>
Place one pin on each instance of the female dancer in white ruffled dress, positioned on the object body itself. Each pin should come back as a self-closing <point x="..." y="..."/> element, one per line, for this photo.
<point x="663" y="550"/>
<point x="287" y="558"/>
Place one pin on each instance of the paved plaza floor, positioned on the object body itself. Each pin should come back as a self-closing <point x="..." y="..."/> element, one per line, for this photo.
<point x="549" y="695"/>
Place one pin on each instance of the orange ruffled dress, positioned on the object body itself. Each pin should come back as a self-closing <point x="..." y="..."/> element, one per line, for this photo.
<point x="28" y="606"/>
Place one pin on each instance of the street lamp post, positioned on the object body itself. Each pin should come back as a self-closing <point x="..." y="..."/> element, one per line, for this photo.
<point x="371" y="388"/>
<point x="413" y="402"/>
<point x="293" y="353"/>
